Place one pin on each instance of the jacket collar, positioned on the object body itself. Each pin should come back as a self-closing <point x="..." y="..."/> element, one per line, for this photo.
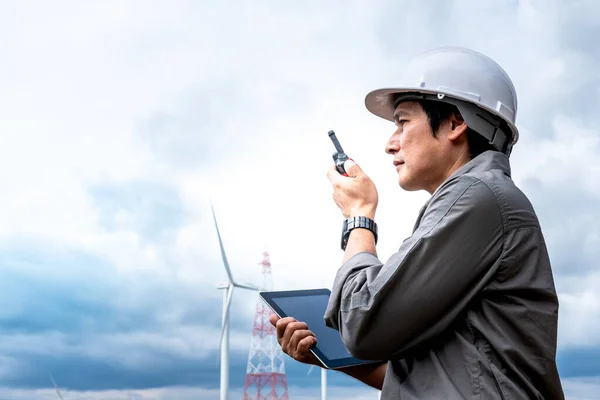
<point x="486" y="161"/>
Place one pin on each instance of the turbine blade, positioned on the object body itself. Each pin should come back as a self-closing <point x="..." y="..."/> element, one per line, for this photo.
<point x="310" y="370"/>
<point x="56" y="387"/>
<point x="246" y="286"/>
<point x="221" y="245"/>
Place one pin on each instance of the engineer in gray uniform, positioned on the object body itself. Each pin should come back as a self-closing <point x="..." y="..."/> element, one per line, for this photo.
<point x="467" y="307"/>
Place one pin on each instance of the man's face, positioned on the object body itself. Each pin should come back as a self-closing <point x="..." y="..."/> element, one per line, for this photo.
<point x="419" y="157"/>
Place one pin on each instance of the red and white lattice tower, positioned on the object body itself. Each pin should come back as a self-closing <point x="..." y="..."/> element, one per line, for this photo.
<point x="265" y="375"/>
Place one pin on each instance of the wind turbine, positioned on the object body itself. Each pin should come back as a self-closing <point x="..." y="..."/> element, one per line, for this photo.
<point x="323" y="381"/>
<point x="60" y="396"/>
<point x="56" y="387"/>
<point x="227" y="295"/>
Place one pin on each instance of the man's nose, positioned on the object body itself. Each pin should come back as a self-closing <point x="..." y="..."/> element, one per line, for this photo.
<point x="393" y="145"/>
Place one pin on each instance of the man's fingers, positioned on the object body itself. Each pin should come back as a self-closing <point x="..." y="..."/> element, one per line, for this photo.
<point x="306" y="343"/>
<point x="281" y="326"/>
<point x="297" y="336"/>
<point x="291" y="328"/>
<point x="294" y="338"/>
<point x="333" y="175"/>
<point x="273" y="319"/>
<point x="352" y="169"/>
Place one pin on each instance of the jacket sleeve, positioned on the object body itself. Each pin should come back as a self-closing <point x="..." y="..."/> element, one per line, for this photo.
<point x="384" y="310"/>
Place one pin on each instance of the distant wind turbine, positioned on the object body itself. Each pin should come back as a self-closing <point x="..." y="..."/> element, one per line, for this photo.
<point x="56" y="387"/>
<point x="227" y="295"/>
<point x="60" y="396"/>
<point x="323" y="381"/>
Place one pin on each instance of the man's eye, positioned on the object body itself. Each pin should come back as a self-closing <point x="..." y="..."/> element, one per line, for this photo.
<point x="401" y="122"/>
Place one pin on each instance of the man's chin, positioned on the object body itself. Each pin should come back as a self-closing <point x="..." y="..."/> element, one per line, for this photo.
<point x="408" y="186"/>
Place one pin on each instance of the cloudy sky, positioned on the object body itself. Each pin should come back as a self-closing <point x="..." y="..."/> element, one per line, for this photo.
<point x="121" y="119"/>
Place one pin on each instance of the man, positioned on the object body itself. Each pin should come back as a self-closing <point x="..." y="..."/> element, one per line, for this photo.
<point x="467" y="308"/>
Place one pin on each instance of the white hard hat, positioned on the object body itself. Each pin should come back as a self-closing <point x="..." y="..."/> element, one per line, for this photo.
<point x="477" y="85"/>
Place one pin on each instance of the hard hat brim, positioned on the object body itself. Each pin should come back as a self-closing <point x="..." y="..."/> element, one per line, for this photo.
<point x="380" y="102"/>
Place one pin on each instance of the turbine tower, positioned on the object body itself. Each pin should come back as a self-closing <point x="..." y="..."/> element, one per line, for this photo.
<point x="265" y="374"/>
<point x="323" y="381"/>
<point x="227" y="295"/>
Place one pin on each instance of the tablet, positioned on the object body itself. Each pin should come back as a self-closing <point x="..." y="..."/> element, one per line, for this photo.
<point x="309" y="306"/>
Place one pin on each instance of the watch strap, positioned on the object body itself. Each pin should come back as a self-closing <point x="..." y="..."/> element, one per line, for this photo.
<point x="357" y="222"/>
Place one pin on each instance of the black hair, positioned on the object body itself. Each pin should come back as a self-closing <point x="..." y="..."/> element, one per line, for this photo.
<point x="438" y="112"/>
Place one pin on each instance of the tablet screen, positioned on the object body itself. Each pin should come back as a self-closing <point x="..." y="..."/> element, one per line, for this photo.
<point x="311" y="309"/>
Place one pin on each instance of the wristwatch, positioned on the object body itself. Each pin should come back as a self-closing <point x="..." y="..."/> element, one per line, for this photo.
<point x="357" y="222"/>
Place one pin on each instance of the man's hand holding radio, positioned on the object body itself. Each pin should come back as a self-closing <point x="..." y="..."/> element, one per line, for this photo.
<point x="356" y="194"/>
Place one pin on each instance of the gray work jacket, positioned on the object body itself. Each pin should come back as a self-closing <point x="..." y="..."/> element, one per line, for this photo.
<point x="467" y="308"/>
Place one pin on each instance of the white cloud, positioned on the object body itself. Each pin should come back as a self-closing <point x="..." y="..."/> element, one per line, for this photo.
<point x="582" y="388"/>
<point x="248" y="92"/>
<point x="579" y="319"/>
<point x="580" y="312"/>
<point x="178" y="393"/>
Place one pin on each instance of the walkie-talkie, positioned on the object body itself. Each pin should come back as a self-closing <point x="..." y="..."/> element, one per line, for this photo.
<point x="339" y="157"/>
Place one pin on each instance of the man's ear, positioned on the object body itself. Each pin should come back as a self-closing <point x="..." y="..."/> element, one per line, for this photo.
<point x="458" y="126"/>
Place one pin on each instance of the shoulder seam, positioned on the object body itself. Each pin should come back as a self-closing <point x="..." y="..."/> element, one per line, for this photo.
<point x="497" y="201"/>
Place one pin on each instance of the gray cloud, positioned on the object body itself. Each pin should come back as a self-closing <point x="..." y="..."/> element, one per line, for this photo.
<point x="304" y="392"/>
<point x="550" y="50"/>
<point x="547" y="47"/>
<point x="210" y="124"/>
<point x="244" y="71"/>
<point x="103" y="333"/>
<point x="570" y="219"/>
<point x="100" y="330"/>
<point x="580" y="362"/>
<point x="199" y="130"/>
